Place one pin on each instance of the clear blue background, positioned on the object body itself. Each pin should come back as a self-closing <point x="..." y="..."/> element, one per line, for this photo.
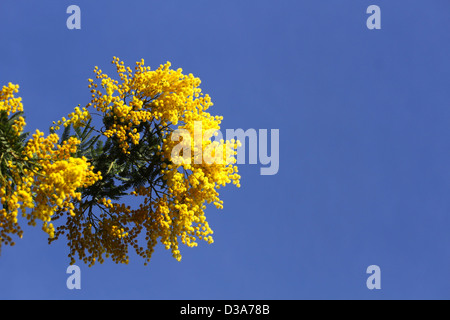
<point x="364" y="124"/>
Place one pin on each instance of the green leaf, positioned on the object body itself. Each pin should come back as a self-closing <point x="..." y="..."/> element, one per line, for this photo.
<point x="66" y="134"/>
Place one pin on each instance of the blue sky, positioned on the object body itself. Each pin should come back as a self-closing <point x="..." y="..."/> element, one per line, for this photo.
<point x="364" y="124"/>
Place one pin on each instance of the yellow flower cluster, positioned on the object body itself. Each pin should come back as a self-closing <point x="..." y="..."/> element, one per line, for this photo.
<point x="50" y="179"/>
<point x="75" y="118"/>
<point x="8" y="102"/>
<point x="172" y="207"/>
<point x="60" y="177"/>
<point x="11" y="105"/>
<point x="19" y="125"/>
<point x="11" y="193"/>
